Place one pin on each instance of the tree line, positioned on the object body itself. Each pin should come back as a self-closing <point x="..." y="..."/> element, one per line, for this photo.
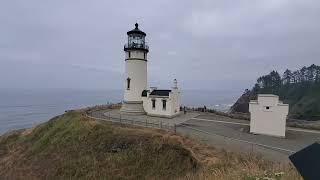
<point x="272" y="82"/>
<point x="309" y="74"/>
<point x="300" y="89"/>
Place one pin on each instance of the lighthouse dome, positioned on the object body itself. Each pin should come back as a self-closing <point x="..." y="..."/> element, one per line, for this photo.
<point x="136" y="40"/>
<point x="136" y="30"/>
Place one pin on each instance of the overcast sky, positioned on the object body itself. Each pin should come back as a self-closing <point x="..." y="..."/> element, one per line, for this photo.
<point x="212" y="44"/>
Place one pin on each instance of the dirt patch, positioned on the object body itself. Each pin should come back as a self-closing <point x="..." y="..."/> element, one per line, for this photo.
<point x="27" y="131"/>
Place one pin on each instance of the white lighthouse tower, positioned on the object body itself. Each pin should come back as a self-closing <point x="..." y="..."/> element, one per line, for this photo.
<point x="135" y="81"/>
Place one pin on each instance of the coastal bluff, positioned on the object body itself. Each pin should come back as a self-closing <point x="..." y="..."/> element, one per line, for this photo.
<point x="73" y="146"/>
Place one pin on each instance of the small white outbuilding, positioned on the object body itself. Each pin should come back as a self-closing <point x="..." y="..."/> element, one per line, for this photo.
<point x="162" y="103"/>
<point x="268" y="115"/>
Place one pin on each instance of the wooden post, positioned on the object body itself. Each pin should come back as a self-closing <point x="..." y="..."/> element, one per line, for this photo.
<point x="251" y="148"/>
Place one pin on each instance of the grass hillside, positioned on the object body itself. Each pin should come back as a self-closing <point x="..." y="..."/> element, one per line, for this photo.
<point x="72" y="146"/>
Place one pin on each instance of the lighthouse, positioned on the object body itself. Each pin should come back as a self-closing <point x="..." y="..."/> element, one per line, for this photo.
<point x="135" y="77"/>
<point x="138" y="98"/>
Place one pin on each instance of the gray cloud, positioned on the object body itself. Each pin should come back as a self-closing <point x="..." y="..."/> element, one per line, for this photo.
<point x="209" y="44"/>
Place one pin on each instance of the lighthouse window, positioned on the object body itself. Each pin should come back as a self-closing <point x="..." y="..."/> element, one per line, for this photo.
<point x="144" y="55"/>
<point x="153" y="103"/>
<point x="129" y="54"/>
<point x="128" y="83"/>
<point x="164" y="104"/>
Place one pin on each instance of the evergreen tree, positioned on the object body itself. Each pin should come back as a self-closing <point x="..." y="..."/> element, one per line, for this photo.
<point x="275" y="82"/>
<point x="287" y="77"/>
<point x="296" y="76"/>
<point x="256" y="88"/>
<point x="317" y="74"/>
<point x="311" y="73"/>
<point x="303" y="74"/>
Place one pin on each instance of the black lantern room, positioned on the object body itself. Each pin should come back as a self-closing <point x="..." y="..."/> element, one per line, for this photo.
<point x="136" y="40"/>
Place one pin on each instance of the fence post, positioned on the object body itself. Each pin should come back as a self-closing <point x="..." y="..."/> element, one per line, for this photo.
<point x="251" y="148"/>
<point x="174" y="126"/>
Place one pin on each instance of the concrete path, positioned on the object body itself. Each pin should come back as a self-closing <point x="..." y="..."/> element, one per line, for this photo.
<point x="168" y="121"/>
<point x="116" y="116"/>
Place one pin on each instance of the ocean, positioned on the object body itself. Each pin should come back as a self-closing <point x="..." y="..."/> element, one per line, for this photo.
<point x="26" y="108"/>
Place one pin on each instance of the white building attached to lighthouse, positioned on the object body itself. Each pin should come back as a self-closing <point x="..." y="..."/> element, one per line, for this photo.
<point x="138" y="98"/>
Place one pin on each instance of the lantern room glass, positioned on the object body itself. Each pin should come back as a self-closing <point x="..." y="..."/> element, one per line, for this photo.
<point x="136" y="40"/>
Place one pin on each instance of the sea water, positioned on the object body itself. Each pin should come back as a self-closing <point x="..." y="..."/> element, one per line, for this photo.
<point x="26" y="108"/>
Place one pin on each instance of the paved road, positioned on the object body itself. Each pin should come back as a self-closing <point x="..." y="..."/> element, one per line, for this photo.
<point x="227" y="120"/>
<point x="232" y="134"/>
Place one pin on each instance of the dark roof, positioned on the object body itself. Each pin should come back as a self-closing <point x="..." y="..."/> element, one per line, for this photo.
<point x="159" y="92"/>
<point x="136" y="31"/>
<point x="144" y="93"/>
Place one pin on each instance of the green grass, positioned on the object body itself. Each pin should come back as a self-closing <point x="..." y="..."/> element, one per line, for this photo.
<point x="72" y="146"/>
<point x="313" y="125"/>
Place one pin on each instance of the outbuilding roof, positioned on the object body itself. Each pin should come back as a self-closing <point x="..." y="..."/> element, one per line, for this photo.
<point x="160" y="92"/>
<point x="144" y="93"/>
